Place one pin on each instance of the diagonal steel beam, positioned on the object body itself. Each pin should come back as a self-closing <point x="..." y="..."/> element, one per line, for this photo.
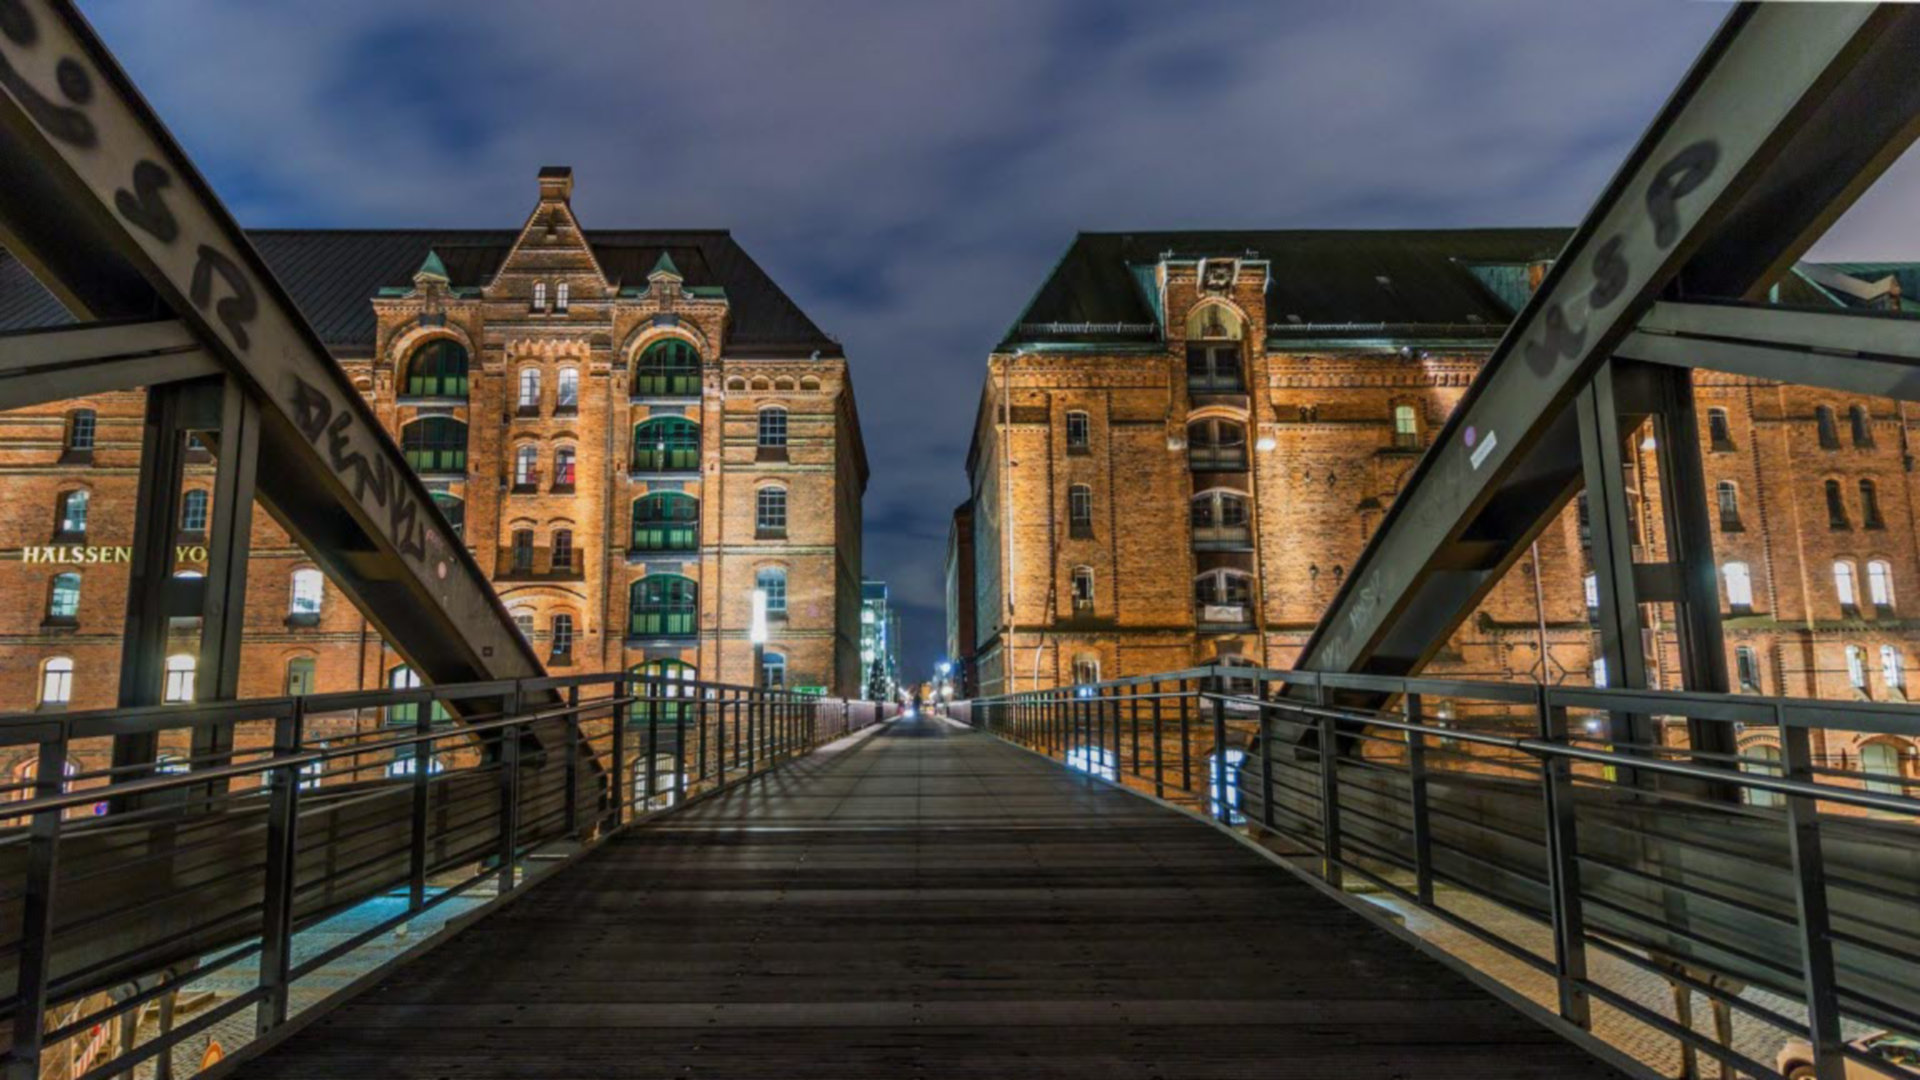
<point x="39" y="366"/>
<point x="1851" y="351"/>
<point x="1740" y="172"/>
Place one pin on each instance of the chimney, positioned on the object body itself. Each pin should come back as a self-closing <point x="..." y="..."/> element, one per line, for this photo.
<point x="556" y="183"/>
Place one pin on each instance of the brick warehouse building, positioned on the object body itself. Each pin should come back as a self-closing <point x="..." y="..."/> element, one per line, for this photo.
<point x="1186" y="439"/>
<point x="632" y="430"/>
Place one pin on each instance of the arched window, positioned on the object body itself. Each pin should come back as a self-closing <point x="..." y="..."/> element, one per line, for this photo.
<point x="1843" y="585"/>
<point x="435" y="444"/>
<point x="454" y="509"/>
<point x="1086" y="669"/>
<point x="563" y="471"/>
<point x="663" y="695"/>
<point x="1836" y="507"/>
<point x="560" y="296"/>
<point x="666" y="444"/>
<point x="1860" y="425"/>
<point x="667" y="368"/>
<point x="82" y="425"/>
<point x="663" y="605"/>
<point x="1406" y="428"/>
<point x="1880" y="584"/>
<point x="666" y="521"/>
<point x="770" y="512"/>
<point x="561" y="556"/>
<point x="562" y="637"/>
<point x="1082" y="583"/>
<point x="179" y="688"/>
<point x="526" y="467"/>
<point x="1221" y="596"/>
<point x="1828" y="431"/>
<point x="566" y="392"/>
<point x="1216" y="445"/>
<point x="300" y="676"/>
<point x="63" y="601"/>
<point x="1870" y="506"/>
<point x="1719" y="431"/>
<point x="1739" y="587"/>
<point x="437" y="369"/>
<point x="193" y="512"/>
<point x="773" y="428"/>
<point x="56" y="681"/>
<point x="71" y="515"/>
<point x="1079" y="430"/>
<point x="1857" y="667"/>
<point x="773" y="671"/>
<point x="1727" y="495"/>
<point x="309" y="588"/>
<point x="1880" y="765"/>
<point x="523" y="622"/>
<point x="523" y="550"/>
<point x="1893" y="668"/>
<point x="1080" y="511"/>
<point x="529" y="399"/>
<point x="772" y="580"/>
<point x="1220" y="520"/>
<point x="1764" y="761"/>
<point x="1213" y="351"/>
<point x="539" y="296"/>
<point x="403" y="677"/>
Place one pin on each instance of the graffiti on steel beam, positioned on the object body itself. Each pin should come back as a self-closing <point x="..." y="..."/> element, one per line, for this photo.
<point x="316" y="416"/>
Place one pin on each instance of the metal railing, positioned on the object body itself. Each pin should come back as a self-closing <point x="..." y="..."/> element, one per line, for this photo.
<point x="122" y="887"/>
<point x="1783" y="890"/>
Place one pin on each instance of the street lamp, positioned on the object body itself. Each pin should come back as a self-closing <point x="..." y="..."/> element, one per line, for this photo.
<point x="757" y="633"/>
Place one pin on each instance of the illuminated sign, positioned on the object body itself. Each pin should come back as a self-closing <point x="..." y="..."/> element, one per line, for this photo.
<point x="90" y="553"/>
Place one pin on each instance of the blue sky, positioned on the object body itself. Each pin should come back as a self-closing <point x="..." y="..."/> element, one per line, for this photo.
<point x="909" y="171"/>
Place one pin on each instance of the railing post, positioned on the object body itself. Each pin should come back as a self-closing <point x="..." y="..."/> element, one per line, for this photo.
<point x="283" y="847"/>
<point x="422" y="800"/>
<point x="1223" y="806"/>
<point x="1159" y="747"/>
<point x="572" y="771"/>
<point x="720" y="741"/>
<point x="1133" y="718"/>
<point x="1810" y="897"/>
<point x="1186" y="735"/>
<point x="1563" y="867"/>
<point x="1330" y="845"/>
<point x="679" y="756"/>
<point x="509" y="799"/>
<point x="753" y="716"/>
<point x="1417" y="801"/>
<point x="622" y="789"/>
<point x="655" y="702"/>
<point x="36" y="913"/>
<point x="1266" y="757"/>
<point x="701" y="719"/>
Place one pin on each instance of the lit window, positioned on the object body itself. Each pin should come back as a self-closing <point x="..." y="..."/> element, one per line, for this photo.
<point x="1593" y="592"/>
<point x="64" y="601"/>
<point x="1083" y="587"/>
<point x="773" y="427"/>
<point x="1600" y="671"/>
<point x="1856" y="667"/>
<point x="193" y="512"/>
<point x="770" y="511"/>
<point x="56" y="681"/>
<point x="773" y="581"/>
<point x="560" y="297"/>
<point x="308" y="590"/>
<point x="539" y="296"/>
<point x="81" y="427"/>
<point x="563" y="635"/>
<point x="526" y="466"/>
<point x="567" y="392"/>
<point x="299" y="676"/>
<point x="529" y="389"/>
<point x="563" y="467"/>
<point x="405" y="764"/>
<point x="179" y="679"/>
<point x="73" y="513"/>
<point x="1086" y="670"/>
<point x="1739" y="585"/>
<point x="1893" y="668"/>
<point x="773" y="671"/>
<point x="1406" y="427"/>
<point x="1880" y="763"/>
<point x="1766" y="764"/>
<point x="1079" y="430"/>
<point x="1880" y="583"/>
<point x="1225" y="800"/>
<point x="1843" y="584"/>
<point x="562" y="553"/>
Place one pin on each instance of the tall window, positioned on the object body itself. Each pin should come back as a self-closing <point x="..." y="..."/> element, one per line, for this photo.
<point x="1083" y="588"/>
<point x="1600" y="671"/>
<point x="193" y="512"/>
<point x="529" y="390"/>
<point x="539" y="296"/>
<point x="666" y="521"/>
<point x="562" y="636"/>
<point x="1870" y="506"/>
<point x="773" y="671"/>
<point x="1856" y="667"/>
<point x="1728" y="497"/>
<point x="179" y="686"/>
<point x="526" y="466"/>
<point x="1746" y="664"/>
<point x="1739" y="587"/>
<point x="1880" y="762"/>
<point x="523" y="550"/>
<point x="1836" y="507"/>
<point x="770" y="511"/>
<point x="72" y="518"/>
<point x="1893" y="668"/>
<point x="1222" y="596"/>
<point x="1828" y="431"/>
<point x="308" y="590"/>
<point x="523" y="622"/>
<point x="772" y="580"/>
<point x="668" y="368"/>
<point x="666" y="444"/>
<point x="1592" y="586"/>
<point x="63" y="602"/>
<point x="1406" y="427"/>
<point x="1880" y="584"/>
<point x="300" y="676"/>
<point x="1766" y="763"/>
<point x="566" y="394"/>
<point x="666" y="699"/>
<point x="1216" y="445"/>
<point x="1860" y="425"/>
<point x="81" y="427"/>
<point x="1219" y="520"/>
<point x="563" y="468"/>
<point x="1086" y="670"/>
<point x="773" y="427"/>
<point x="56" y="681"/>
<point x="1843" y="585"/>
<point x="435" y="444"/>
<point x="1719" y="432"/>
<point x="1080" y="511"/>
<point x="663" y="605"/>
<point x="1079" y="430"/>
<point x="437" y="369"/>
<point x="562" y="553"/>
<point x="1213" y="367"/>
<point x="560" y="296"/>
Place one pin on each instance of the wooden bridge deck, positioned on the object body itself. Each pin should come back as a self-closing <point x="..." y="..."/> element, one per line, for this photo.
<point x="927" y="902"/>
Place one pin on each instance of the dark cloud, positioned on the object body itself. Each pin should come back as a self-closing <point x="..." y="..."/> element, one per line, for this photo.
<point x="909" y="171"/>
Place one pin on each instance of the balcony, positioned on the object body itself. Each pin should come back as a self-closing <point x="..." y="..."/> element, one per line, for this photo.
<point x="658" y="539"/>
<point x="677" y="386"/>
<point x="1222" y="537"/>
<point x="1216" y="617"/>
<point x="1216" y="458"/>
<point x="662" y="623"/>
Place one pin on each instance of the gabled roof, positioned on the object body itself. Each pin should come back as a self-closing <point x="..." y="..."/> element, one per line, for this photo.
<point x="334" y="274"/>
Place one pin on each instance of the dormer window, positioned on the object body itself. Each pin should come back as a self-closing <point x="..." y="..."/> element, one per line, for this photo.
<point x="560" y="297"/>
<point x="539" y="296"/>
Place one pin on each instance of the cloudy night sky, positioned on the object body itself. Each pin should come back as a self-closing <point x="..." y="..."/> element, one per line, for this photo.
<point x="909" y="172"/>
